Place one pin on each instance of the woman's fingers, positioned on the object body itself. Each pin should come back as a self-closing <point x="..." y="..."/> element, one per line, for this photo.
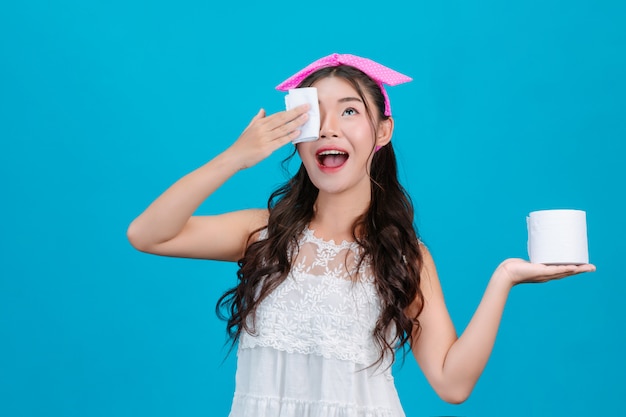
<point x="282" y="127"/>
<point x="257" y="117"/>
<point x="265" y="134"/>
<point x="286" y="117"/>
<point x="290" y="127"/>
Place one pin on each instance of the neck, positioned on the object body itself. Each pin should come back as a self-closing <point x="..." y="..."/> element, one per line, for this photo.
<point x="335" y="214"/>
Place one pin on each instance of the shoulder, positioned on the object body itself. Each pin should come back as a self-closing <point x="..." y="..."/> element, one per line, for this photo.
<point x="428" y="279"/>
<point x="258" y="219"/>
<point x="226" y="236"/>
<point x="249" y="222"/>
<point x="427" y="258"/>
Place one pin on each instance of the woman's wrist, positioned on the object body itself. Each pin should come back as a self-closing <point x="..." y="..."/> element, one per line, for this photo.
<point x="229" y="161"/>
<point x="502" y="278"/>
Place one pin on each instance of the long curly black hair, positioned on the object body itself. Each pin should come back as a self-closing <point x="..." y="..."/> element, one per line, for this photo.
<point x="385" y="232"/>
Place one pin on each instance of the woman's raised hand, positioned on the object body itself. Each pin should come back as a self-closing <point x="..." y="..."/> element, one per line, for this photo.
<point x="518" y="271"/>
<point x="265" y="134"/>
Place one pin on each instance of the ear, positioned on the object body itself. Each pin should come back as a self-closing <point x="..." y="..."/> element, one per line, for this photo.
<point x="385" y="131"/>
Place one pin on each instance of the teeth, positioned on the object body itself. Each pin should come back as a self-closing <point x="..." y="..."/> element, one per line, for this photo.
<point x="331" y="152"/>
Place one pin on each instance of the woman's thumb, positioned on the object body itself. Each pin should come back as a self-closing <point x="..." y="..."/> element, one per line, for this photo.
<point x="259" y="115"/>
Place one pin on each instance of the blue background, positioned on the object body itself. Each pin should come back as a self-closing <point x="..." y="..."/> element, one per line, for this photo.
<point x="514" y="107"/>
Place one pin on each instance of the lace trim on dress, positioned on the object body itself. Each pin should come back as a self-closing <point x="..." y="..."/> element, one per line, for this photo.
<point x="265" y="406"/>
<point x="330" y="259"/>
<point x="328" y="305"/>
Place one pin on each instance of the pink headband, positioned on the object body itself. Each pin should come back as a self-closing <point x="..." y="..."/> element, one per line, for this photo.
<point x="379" y="73"/>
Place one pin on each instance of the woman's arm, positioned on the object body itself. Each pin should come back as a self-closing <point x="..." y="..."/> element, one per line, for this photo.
<point x="453" y="364"/>
<point x="168" y="227"/>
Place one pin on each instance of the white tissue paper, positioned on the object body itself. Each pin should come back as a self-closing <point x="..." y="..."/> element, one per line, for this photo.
<point x="557" y="237"/>
<point x="311" y="129"/>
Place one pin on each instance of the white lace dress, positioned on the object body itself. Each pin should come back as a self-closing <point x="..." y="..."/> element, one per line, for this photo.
<point x="314" y="343"/>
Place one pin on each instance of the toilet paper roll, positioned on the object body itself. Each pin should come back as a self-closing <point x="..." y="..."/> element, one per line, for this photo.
<point x="557" y="237"/>
<point x="311" y="129"/>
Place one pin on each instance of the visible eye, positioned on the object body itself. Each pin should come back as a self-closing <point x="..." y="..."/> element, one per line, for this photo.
<point x="350" y="111"/>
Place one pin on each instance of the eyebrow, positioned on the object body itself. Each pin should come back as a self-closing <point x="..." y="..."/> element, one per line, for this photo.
<point x="347" y="99"/>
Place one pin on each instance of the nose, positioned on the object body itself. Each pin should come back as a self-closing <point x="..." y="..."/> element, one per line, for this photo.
<point x="328" y="125"/>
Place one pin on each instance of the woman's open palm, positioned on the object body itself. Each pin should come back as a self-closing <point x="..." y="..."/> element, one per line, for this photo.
<point x="521" y="271"/>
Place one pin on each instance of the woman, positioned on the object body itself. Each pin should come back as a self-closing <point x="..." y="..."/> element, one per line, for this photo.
<point x="333" y="279"/>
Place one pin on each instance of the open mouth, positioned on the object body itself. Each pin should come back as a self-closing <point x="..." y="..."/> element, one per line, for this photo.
<point x="332" y="158"/>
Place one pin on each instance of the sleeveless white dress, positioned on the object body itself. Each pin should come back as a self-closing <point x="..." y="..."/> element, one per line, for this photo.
<point x="313" y="347"/>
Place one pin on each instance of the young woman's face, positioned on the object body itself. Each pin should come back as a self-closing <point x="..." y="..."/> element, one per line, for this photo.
<point x="340" y="159"/>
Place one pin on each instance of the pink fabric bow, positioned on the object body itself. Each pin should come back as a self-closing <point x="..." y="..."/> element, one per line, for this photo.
<point x="377" y="72"/>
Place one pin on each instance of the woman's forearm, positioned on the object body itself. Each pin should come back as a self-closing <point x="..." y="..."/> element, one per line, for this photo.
<point x="468" y="355"/>
<point x="465" y="357"/>
<point x="166" y="216"/>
